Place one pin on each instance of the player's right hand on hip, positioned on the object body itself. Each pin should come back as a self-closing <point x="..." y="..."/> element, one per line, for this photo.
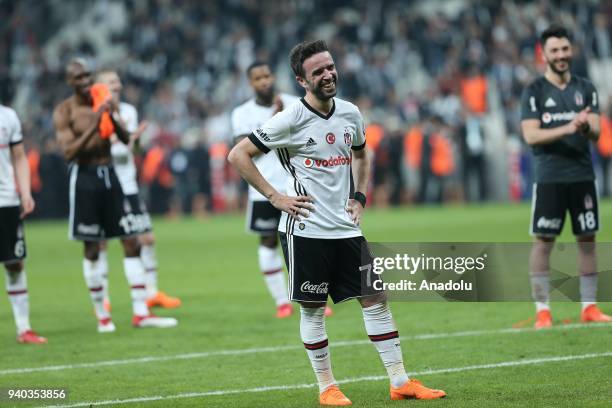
<point x="294" y="206"/>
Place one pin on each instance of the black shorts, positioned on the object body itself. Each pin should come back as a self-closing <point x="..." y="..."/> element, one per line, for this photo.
<point x="321" y="267"/>
<point x="98" y="208"/>
<point x="138" y="218"/>
<point x="262" y="217"/>
<point x="12" y="237"/>
<point x="551" y="201"/>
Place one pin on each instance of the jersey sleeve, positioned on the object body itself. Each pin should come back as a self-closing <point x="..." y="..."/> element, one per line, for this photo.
<point x="275" y="133"/>
<point x="16" y="135"/>
<point x="359" y="141"/>
<point x="592" y="98"/>
<point x="240" y="127"/>
<point x="530" y="106"/>
<point x="130" y="117"/>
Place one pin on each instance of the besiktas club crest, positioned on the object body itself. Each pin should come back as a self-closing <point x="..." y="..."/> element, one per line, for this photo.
<point x="348" y="136"/>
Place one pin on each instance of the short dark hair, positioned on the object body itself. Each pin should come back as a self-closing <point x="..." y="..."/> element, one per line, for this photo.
<point x="556" y="31"/>
<point x="302" y="52"/>
<point x="255" y="64"/>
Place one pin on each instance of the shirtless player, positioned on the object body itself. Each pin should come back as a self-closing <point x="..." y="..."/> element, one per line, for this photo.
<point x="97" y="203"/>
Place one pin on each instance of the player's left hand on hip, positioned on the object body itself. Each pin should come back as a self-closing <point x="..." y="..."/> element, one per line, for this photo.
<point x="355" y="209"/>
<point x="27" y="204"/>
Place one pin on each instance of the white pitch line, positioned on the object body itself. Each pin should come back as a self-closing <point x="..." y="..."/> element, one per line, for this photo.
<point x="503" y="364"/>
<point x="214" y="353"/>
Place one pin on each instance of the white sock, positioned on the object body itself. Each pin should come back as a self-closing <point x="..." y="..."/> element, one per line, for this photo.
<point x="312" y="330"/>
<point x="540" y="289"/>
<point x="17" y="289"/>
<point x="103" y="270"/>
<point x="95" y="282"/>
<point x="588" y="289"/>
<point x="149" y="261"/>
<point x="271" y="265"/>
<point x="383" y="334"/>
<point x="135" y="274"/>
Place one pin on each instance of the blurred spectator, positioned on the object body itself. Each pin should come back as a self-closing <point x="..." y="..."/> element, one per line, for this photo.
<point x="183" y="62"/>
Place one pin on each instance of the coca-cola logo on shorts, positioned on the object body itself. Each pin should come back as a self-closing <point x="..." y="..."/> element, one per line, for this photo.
<point x="320" y="288"/>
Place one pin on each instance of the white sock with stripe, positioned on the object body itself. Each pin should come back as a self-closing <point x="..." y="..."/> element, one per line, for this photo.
<point x="17" y="289"/>
<point x="149" y="261"/>
<point x="135" y="274"/>
<point x="314" y="337"/>
<point x="271" y="265"/>
<point x="383" y="334"/>
<point x="95" y="284"/>
<point x="103" y="270"/>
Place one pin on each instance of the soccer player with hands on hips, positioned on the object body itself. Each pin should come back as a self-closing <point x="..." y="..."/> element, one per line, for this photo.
<point x="318" y="141"/>
<point x="559" y="120"/>
<point x="262" y="216"/>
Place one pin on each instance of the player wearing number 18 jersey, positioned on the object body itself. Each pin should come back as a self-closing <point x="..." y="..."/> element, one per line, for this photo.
<point x="319" y="141"/>
<point x="559" y="119"/>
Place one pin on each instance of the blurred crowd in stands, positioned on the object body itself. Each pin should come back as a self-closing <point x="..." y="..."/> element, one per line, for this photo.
<point x="439" y="84"/>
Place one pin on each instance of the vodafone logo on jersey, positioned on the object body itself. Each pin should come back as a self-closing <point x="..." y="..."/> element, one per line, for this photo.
<point x="558" y="117"/>
<point x="331" y="162"/>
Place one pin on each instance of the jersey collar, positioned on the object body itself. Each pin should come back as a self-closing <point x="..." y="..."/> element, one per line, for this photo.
<point x="316" y="112"/>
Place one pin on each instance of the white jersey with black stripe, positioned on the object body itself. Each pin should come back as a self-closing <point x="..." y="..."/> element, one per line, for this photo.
<point x="316" y="152"/>
<point x="245" y="119"/>
<point x="10" y="135"/>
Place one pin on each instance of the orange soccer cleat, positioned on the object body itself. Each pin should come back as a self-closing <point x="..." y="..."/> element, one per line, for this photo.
<point x="334" y="397"/>
<point x="592" y="313"/>
<point x="162" y="300"/>
<point x="543" y="319"/>
<point x="284" y="311"/>
<point x="414" y="389"/>
<point x="30" y="337"/>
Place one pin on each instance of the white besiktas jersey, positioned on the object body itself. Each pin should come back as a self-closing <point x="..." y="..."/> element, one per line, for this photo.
<point x="10" y="134"/>
<point x="245" y="119"/>
<point x="123" y="159"/>
<point x="316" y="152"/>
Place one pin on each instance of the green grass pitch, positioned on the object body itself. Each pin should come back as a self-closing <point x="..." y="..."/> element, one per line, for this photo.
<point x="228" y="347"/>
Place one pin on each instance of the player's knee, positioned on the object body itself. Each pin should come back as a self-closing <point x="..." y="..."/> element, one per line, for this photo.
<point x="368" y="301"/>
<point x="92" y="250"/>
<point x="312" y="305"/>
<point x="131" y="247"/>
<point x="147" y="239"/>
<point x="269" y="241"/>
<point x="14" y="267"/>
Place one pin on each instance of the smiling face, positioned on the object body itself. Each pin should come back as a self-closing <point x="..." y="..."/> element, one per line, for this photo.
<point x="321" y="76"/>
<point x="79" y="78"/>
<point x="558" y="54"/>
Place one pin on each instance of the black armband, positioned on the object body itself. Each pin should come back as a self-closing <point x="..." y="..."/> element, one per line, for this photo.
<point x="361" y="198"/>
